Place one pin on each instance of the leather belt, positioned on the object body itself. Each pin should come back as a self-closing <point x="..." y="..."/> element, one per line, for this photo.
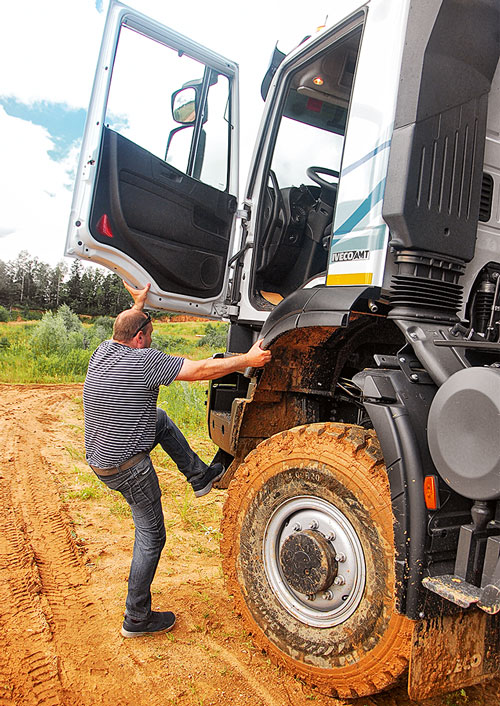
<point x="122" y="467"/>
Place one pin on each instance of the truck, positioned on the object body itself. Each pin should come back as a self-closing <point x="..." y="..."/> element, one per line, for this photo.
<point x="361" y="529"/>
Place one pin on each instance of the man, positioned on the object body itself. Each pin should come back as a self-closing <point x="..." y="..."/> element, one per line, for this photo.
<point x="123" y="424"/>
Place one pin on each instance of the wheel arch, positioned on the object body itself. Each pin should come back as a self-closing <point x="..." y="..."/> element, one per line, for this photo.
<point x="299" y="385"/>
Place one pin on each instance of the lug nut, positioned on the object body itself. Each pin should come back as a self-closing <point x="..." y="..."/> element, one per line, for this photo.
<point x="330" y="537"/>
<point x="314" y="524"/>
<point x="327" y="596"/>
<point x="296" y="527"/>
<point x="339" y="580"/>
<point x="311" y="597"/>
<point x="340" y="557"/>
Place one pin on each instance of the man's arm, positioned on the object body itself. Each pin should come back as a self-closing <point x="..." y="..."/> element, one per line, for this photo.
<point x="211" y="368"/>
<point x="138" y="295"/>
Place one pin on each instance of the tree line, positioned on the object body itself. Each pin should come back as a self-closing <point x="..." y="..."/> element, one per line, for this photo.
<point x="28" y="283"/>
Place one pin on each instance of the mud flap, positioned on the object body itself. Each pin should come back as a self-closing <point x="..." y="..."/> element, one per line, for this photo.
<point x="453" y="651"/>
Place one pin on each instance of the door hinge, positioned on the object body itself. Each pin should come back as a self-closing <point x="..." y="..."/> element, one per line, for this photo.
<point x="225" y="310"/>
<point x="245" y="213"/>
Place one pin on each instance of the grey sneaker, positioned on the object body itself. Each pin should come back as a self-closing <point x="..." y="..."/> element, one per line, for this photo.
<point x="157" y="622"/>
<point x="203" y="485"/>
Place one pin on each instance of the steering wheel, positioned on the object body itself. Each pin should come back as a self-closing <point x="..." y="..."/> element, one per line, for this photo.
<point x="314" y="172"/>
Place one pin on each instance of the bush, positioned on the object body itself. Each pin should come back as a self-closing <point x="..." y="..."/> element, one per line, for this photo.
<point x="102" y="328"/>
<point x="69" y="318"/>
<point x="4" y="342"/>
<point x="170" y="344"/>
<point x="27" y="314"/>
<point x="50" y="335"/>
<point x="4" y="314"/>
<point x="104" y="321"/>
<point x="59" y="333"/>
<point x="214" y="337"/>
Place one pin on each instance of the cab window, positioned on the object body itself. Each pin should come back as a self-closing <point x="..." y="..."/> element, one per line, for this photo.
<point x="146" y="75"/>
<point x="299" y="192"/>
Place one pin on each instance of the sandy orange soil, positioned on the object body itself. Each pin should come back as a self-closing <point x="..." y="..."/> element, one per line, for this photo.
<point x="64" y="558"/>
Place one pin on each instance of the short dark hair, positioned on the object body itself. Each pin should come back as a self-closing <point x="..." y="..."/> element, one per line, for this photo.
<point x="128" y="324"/>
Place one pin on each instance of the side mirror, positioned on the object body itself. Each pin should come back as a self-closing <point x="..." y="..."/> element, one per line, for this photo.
<point x="184" y="105"/>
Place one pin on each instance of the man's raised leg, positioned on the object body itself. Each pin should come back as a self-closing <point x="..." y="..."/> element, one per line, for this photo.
<point x="175" y="444"/>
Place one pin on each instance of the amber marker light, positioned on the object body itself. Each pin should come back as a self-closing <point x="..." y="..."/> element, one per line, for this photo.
<point x="318" y="81"/>
<point x="431" y="494"/>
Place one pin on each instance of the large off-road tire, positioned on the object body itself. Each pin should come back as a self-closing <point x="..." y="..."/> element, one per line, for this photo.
<point x="308" y="553"/>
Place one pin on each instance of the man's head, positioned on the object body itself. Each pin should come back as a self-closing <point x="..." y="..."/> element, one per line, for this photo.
<point x="133" y="328"/>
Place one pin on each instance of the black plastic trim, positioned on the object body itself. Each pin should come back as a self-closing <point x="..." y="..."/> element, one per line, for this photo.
<point x="486" y="201"/>
<point x="434" y="177"/>
<point x="401" y="429"/>
<point x="321" y="306"/>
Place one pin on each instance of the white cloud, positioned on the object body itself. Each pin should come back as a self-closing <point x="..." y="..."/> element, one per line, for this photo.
<point x="35" y="195"/>
<point x="6" y="230"/>
<point x="50" y="49"/>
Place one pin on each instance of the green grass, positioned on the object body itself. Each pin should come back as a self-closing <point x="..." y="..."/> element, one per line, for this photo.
<point x="20" y="364"/>
<point x="185" y="403"/>
<point x="85" y="485"/>
<point x="120" y="508"/>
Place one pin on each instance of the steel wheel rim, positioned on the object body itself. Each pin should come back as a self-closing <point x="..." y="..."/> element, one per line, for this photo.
<point x="313" y="512"/>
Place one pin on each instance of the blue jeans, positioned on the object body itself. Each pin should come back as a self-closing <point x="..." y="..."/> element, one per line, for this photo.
<point x="140" y="488"/>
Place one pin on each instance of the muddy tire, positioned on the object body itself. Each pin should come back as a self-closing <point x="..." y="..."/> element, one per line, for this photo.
<point x="309" y="557"/>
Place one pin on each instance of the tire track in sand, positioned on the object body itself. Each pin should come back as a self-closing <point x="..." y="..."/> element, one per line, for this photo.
<point x="52" y="627"/>
<point x="28" y="663"/>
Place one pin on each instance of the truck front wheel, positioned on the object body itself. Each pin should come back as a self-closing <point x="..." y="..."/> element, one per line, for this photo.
<point x="309" y="556"/>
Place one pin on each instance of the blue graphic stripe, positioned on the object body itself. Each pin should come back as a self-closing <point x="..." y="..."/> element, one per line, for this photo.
<point x="366" y="157"/>
<point x="363" y="209"/>
<point x="374" y="240"/>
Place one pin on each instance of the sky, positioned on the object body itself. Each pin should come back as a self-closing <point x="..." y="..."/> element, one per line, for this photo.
<point x="48" y="54"/>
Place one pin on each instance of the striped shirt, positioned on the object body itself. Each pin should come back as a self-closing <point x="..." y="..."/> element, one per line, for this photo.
<point x="119" y="400"/>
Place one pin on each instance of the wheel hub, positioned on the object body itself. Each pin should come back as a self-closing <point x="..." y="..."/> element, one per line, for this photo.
<point x="314" y="561"/>
<point x="308" y="563"/>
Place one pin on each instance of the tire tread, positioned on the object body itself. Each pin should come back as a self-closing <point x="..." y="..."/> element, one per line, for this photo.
<point x="358" y="451"/>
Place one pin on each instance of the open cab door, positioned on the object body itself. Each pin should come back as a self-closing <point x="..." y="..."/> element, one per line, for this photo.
<point x="156" y="191"/>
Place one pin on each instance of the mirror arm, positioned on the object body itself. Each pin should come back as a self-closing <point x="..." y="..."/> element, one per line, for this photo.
<point x="200" y="113"/>
<point x="171" y="134"/>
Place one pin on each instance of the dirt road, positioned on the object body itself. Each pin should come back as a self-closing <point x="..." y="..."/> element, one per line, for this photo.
<point x="64" y="560"/>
